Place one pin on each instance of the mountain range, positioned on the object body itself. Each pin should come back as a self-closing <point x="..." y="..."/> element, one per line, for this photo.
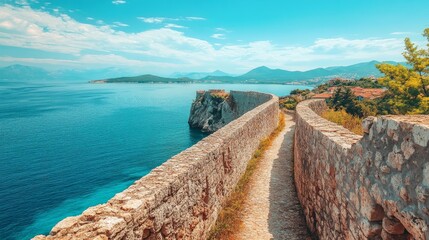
<point x="258" y="75"/>
<point x="277" y="76"/>
<point x="27" y="73"/>
<point x="200" y="75"/>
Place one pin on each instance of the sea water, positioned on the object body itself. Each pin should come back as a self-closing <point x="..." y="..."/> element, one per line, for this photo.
<point x="67" y="146"/>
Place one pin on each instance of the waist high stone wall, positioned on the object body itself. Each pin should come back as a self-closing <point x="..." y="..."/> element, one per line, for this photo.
<point x="370" y="187"/>
<point x="181" y="198"/>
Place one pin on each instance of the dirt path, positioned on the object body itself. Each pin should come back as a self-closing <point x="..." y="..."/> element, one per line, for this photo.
<point x="272" y="210"/>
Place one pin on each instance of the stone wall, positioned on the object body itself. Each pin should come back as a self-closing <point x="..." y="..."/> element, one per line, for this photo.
<point x="181" y="198"/>
<point x="370" y="187"/>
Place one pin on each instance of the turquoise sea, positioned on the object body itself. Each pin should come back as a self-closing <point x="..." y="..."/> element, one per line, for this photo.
<point x="68" y="146"/>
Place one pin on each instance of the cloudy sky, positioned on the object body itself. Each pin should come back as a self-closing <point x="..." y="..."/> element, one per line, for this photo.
<point x="166" y="36"/>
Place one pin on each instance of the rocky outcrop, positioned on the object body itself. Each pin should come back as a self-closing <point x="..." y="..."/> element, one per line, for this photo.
<point x="181" y="198"/>
<point x="370" y="187"/>
<point x="213" y="109"/>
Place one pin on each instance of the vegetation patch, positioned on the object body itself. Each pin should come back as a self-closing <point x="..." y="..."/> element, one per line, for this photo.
<point x="219" y="94"/>
<point x="344" y="99"/>
<point x="296" y="96"/>
<point x="341" y="117"/>
<point x="407" y="87"/>
<point x="229" y="219"/>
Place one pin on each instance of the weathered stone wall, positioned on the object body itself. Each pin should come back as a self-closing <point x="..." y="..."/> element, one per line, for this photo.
<point x="246" y="101"/>
<point x="370" y="187"/>
<point x="181" y="198"/>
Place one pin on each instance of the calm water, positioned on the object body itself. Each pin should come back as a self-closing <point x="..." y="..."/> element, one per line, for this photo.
<point x="65" y="147"/>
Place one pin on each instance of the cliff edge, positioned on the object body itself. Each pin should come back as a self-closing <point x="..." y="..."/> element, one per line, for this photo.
<point x="213" y="109"/>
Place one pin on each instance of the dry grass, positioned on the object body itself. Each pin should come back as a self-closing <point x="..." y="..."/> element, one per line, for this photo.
<point x="219" y="94"/>
<point x="352" y="123"/>
<point x="229" y="219"/>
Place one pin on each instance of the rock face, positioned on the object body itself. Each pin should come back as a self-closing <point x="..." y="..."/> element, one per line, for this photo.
<point x="370" y="187"/>
<point x="181" y="198"/>
<point x="213" y="109"/>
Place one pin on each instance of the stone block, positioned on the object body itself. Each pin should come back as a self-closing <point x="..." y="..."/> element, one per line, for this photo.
<point x="367" y="123"/>
<point x="393" y="226"/>
<point x="65" y="224"/>
<point x="370" y="229"/>
<point x="420" y="135"/>
<point x="386" y="236"/>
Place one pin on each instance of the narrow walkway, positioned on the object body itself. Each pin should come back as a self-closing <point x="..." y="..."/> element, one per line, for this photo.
<point x="272" y="209"/>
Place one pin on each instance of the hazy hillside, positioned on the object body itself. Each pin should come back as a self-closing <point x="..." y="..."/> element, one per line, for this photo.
<point x="315" y="76"/>
<point x="23" y="73"/>
<point x="200" y="75"/>
<point x="148" y="79"/>
<point x="26" y="73"/>
<point x="258" y="75"/>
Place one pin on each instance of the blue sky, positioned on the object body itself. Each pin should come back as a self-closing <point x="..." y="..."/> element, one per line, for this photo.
<point x="162" y="37"/>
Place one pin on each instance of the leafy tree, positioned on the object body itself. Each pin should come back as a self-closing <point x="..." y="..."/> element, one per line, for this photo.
<point x="344" y="99"/>
<point x="366" y="108"/>
<point x="408" y="87"/>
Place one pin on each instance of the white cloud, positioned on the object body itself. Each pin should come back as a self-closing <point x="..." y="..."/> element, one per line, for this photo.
<point x="195" y="18"/>
<point x="221" y="29"/>
<point x="401" y="33"/>
<point x="342" y="43"/>
<point x="218" y="36"/>
<point x="154" y="19"/>
<point x="120" y="24"/>
<point x="170" y="48"/>
<point x="166" y="19"/>
<point x="29" y="28"/>
<point x="22" y="2"/>
<point x="117" y="2"/>
<point x="171" y="25"/>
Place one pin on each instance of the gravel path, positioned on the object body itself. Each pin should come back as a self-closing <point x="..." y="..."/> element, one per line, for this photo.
<point x="272" y="209"/>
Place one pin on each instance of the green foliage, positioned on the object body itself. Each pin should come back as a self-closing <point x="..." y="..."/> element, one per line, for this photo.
<point x="344" y="99"/>
<point x="296" y="96"/>
<point x="408" y="87"/>
<point x="363" y="83"/>
<point x="288" y="103"/>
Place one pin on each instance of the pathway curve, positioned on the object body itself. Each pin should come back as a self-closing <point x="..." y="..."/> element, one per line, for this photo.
<point x="272" y="209"/>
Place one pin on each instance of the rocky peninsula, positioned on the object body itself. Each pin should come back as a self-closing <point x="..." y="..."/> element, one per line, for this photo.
<point x="213" y="109"/>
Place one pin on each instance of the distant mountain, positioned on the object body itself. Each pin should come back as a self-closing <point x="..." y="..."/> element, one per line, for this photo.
<point x="146" y="79"/>
<point x="26" y="73"/>
<point x="89" y="74"/>
<point x="360" y="69"/>
<point x="315" y="76"/>
<point x="258" y="75"/>
<point x="267" y="74"/>
<point x="23" y="73"/>
<point x="200" y="75"/>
